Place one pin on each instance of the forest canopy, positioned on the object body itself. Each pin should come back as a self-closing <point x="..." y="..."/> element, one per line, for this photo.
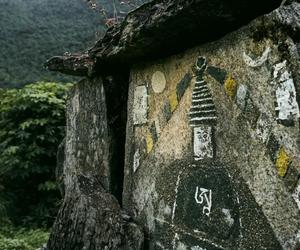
<point x="33" y="31"/>
<point x="32" y="125"/>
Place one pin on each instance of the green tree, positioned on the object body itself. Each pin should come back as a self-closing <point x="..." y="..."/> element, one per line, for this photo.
<point x="32" y="121"/>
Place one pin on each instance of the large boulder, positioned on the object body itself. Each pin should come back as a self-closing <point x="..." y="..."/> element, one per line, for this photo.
<point x="212" y="153"/>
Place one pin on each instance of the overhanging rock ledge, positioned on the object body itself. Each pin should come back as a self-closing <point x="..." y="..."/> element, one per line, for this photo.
<point x="161" y="28"/>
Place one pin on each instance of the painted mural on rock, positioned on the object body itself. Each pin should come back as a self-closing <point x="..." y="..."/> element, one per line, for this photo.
<point x="208" y="208"/>
<point x="202" y="115"/>
<point x="216" y="164"/>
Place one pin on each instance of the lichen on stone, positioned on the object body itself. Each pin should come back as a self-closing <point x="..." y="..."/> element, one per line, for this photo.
<point x="230" y="87"/>
<point x="283" y="161"/>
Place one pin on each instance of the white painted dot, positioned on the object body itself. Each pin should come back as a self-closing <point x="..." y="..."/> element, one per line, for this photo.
<point x="158" y="82"/>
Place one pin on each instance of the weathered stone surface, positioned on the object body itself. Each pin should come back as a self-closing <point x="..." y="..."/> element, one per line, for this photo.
<point x="90" y="216"/>
<point x="78" y="65"/>
<point x="140" y="105"/>
<point x="242" y="96"/>
<point x="248" y="165"/>
<point x="225" y="216"/>
<point x="59" y="171"/>
<point x="161" y="28"/>
<point x="136" y="39"/>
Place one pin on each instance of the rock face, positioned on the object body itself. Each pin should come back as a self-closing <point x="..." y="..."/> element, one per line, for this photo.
<point x="212" y="149"/>
<point x="90" y="216"/>
<point x="216" y="163"/>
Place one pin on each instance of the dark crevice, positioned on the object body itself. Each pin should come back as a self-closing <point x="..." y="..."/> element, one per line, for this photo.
<point x="116" y="90"/>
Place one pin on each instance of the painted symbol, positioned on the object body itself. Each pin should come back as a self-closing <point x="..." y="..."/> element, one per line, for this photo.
<point x="283" y="162"/>
<point x="257" y="62"/>
<point x="203" y="146"/>
<point x="140" y="105"/>
<point x="241" y="96"/>
<point x="201" y="195"/>
<point x="158" y="82"/>
<point x="203" y="108"/>
<point x="202" y="115"/>
<point x="263" y="127"/>
<point x="217" y="73"/>
<point x="296" y="195"/>
<point x="287" y="105"/>
<point x="136" y="160"/>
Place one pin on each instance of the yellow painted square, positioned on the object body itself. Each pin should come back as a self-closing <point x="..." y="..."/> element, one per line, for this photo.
<point x="282" y="163"/>
<point x="230" y="86"/>
<point x="173" y="101"/>
<point x="149" y="142"/>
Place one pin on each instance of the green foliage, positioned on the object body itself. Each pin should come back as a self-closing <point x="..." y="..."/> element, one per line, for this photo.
<point x="32" y="121"/>
<point x="21" y="238"/>
<point x="33" y="31"/>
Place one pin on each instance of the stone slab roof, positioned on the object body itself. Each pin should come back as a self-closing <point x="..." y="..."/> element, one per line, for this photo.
<point x="161" y="28"/>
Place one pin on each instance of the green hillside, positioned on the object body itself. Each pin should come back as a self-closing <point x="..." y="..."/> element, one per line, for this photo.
<point x="31" y="31"/>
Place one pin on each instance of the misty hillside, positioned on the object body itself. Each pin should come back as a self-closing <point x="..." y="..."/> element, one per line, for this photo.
<point x="31" y="31"/>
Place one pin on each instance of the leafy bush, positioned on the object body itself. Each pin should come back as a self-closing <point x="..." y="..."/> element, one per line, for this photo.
<point x="32" y="121"/>
<point x="22" y="239"/>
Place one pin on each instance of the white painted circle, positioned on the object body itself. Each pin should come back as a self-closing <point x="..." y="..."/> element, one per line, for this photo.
<point x="158" y="82"/>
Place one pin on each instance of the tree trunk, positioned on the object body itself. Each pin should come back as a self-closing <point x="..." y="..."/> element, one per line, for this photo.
<point x="90" y="217"/>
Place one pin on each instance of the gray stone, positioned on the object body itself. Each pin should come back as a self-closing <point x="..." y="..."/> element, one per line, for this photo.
<point x="246" y="142"/>
<point x="242" y="96"/>
<point x="90" y="217"/>
<point x="234" y="220"/>
<point x="183" y="85"/>
<point x="140" y="105"/>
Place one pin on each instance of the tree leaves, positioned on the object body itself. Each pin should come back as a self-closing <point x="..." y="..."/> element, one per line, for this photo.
<point x="32" y="121"/>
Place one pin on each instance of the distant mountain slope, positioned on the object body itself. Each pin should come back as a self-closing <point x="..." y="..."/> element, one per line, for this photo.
<point x="31" y="31"/>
